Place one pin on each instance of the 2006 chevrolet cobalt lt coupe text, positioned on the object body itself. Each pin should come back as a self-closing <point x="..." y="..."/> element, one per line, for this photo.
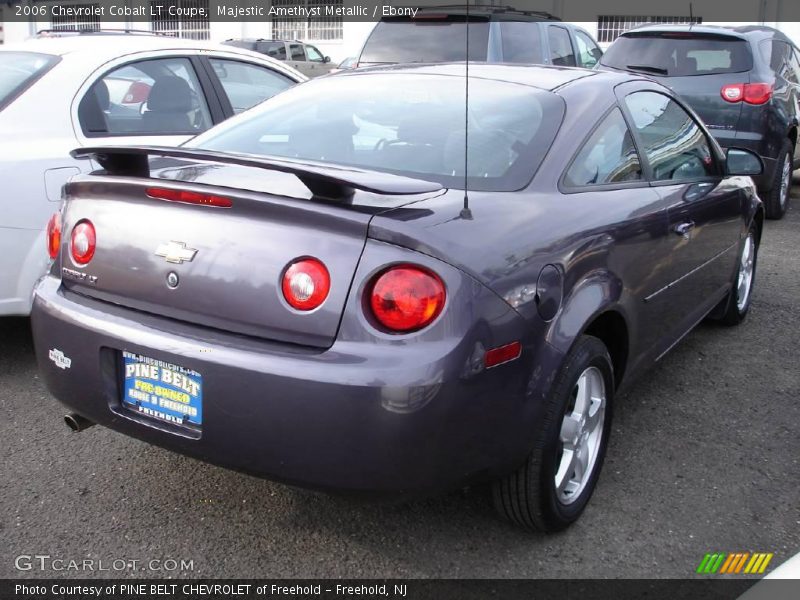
<point x="305" y="293"/>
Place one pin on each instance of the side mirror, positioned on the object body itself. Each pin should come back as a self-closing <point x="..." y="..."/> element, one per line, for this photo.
<point x="327" y="59"/>
<point x="596" y="53"/>
<point x="739" y="161"/>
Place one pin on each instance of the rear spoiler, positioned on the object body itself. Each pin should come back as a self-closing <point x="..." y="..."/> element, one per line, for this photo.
<point x="324" y="181"/>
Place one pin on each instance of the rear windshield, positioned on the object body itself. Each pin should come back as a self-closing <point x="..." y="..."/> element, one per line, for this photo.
<point x="679" y="54"/>
<point x="18" y="70"/>
<point x="406" y="124"/>
<point x="440" y="39"/>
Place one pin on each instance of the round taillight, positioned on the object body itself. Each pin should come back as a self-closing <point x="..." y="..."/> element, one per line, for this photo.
<point x="54" y="235"/>
<point x="406" y="298"/>
<point x="83" y="242"/>
<point x="306" y="284"/>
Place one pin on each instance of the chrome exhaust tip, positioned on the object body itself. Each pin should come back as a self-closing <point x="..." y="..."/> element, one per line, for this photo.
<point x="76" y="422"/>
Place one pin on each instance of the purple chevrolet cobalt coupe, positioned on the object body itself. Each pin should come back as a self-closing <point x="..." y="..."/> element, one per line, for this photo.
<point x="365" y="285"/>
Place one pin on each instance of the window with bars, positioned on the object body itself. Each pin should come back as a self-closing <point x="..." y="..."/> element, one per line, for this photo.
<point x="77" y="22"/>
<point x="321" y="28"/>
<point x="189" y="27"/>
<point x="609" y="27"/>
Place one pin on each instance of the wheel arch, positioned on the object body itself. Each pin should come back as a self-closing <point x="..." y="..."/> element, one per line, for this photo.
<point x="758" y="221"/>
<point x="611" y="328"/>
<point x="594" y="308"/>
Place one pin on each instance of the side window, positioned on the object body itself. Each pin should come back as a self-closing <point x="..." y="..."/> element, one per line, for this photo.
<point x="245" y="84"/>
<point x="296" y="52"/>
<point x="276" y="50"/>
<point x="588" y="52"/>
<point x="314" y="55"/>
<point x="150" y="97"/>
<point x="561" y="52"/>
<point x="674" y="144"/>
<point x="608" y="156"/>
<point x="522" y="42"/>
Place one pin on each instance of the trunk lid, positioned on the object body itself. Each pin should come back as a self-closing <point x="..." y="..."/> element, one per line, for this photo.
<point x="229" y="262"/>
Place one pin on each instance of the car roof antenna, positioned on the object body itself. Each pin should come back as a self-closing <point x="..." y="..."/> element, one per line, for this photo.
<point x="691" y="16"/>
<point x="466" y="213"/>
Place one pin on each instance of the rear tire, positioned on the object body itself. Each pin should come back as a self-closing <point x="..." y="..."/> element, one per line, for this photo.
<point x="741" y="294"/>
<point x="550" y="491"/>
<point x="776" y="200"/>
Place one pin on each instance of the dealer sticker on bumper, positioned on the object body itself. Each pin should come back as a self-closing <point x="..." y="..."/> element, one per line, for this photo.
<point x="162" y="391"/>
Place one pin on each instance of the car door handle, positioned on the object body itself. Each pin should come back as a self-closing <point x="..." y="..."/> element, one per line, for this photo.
<point x="684" y="229"/>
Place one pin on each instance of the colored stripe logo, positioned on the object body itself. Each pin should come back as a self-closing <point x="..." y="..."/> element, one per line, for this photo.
<point x="723" y="563"/>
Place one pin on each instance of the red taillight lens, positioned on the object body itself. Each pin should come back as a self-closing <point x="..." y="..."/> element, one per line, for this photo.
<point x="757" y="93"/>
<point x="406" y="298"/>
<point x="54" y="235"/>
<point x="306" y="284"/>
<point x="189" y="197"/>
<point x="752" y="93"/>
<point x="83" y="242"/>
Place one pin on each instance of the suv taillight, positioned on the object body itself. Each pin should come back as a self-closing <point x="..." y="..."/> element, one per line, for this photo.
<point x="751" y="93"/>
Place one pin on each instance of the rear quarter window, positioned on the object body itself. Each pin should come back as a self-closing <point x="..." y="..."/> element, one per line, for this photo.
<point x="680" y="54"/>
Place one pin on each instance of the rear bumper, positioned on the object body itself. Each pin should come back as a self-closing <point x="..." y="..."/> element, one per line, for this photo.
<point x="357" y="417"/>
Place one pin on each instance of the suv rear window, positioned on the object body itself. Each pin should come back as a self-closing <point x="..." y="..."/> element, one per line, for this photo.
<point x="432" y="39"/>
<point x="18" y="70"/>
<point x="679" y="54"/>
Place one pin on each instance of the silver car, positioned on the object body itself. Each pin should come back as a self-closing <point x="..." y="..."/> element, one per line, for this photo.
<point x="60" y="92"/>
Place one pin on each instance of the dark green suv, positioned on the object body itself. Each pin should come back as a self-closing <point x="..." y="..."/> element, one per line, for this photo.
<point x="744" y="82"/>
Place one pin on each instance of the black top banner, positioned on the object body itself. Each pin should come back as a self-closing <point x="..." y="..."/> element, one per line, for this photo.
<point x="744" y="11"/>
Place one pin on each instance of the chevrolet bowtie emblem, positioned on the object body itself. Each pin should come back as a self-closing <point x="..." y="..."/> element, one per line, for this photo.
<point x="176" y="252"/>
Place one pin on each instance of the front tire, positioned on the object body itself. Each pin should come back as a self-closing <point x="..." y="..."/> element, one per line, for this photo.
<point x="777" y="199"/>
<point x="741" y="294"/>
<point x="550" y="491"/>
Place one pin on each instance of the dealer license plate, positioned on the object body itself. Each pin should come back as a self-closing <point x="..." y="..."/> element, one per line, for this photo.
<point x="162" y="391"/>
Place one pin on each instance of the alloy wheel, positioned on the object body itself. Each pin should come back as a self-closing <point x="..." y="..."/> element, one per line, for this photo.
<point x="744" y="282"/>
<point x="786" y="180"/>
<point x="581" y="435"/>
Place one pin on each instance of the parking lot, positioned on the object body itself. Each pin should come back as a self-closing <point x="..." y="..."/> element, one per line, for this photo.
<point x="704" y="457"/>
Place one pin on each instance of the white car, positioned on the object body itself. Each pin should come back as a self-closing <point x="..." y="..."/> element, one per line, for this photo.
<point x="60" y="93"/>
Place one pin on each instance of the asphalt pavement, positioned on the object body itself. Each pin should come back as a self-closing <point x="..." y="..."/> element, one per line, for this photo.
<point x="705" y="456"/>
